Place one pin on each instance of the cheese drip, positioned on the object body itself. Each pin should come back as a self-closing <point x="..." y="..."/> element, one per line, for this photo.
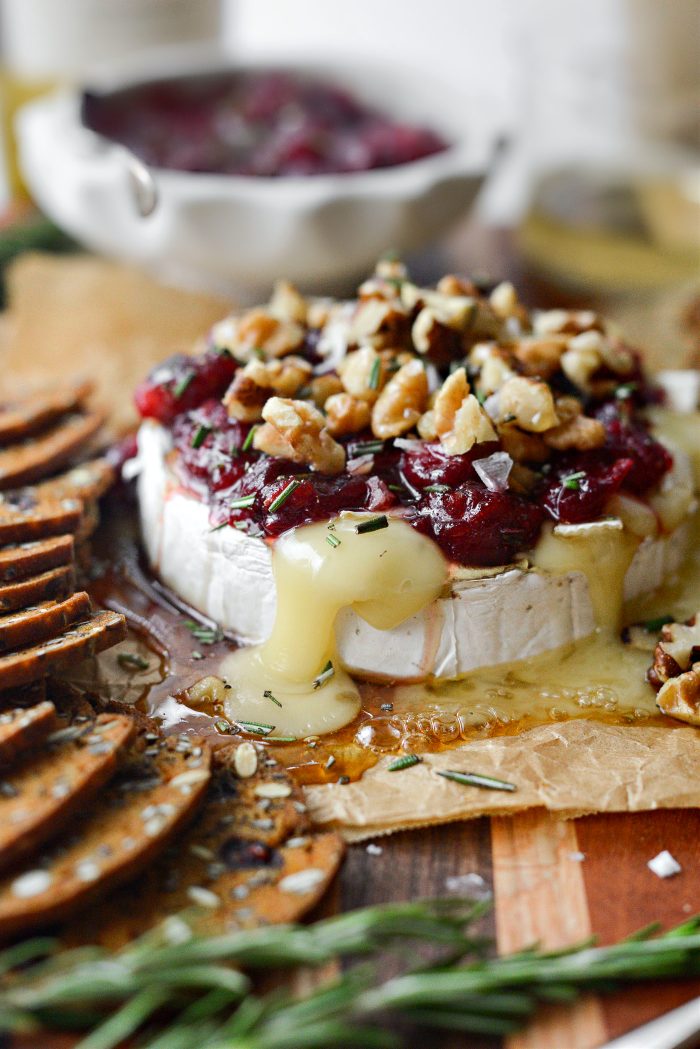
<point x="385" y="575"/>
<point x="602" y="551"/>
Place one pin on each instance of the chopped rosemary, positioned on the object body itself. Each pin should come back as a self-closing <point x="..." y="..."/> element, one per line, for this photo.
<point x="573" y="481"/>
<point x="367" y="447"/>
<point x="201" y="436"/>
<point x="243" y="503"/>
<point x="196" y="654"/>
<point x="330" y="761"/>
<point x="132" y="661"/>
<point x="223" y="726"/>
<point x="373" y="525"/>
<point x="207" y="635"/>
<point x="255" y="728"/>
<point x="343" y="780"/>
<point x="654" y="625"/>
<point x="281" y="499"/>
<point x="437" y="488"/>
<point x="375" y="374"/>
<point x="281" y="739"/>
<point x="258" y="352"/>
<point x="396" y="488"/>
<point x="475" y="779"/>
<point x="268" y="695"/>
<point x="325" y="675"/>
<point x="404" y="762"/>
<point x="248" y="443"/>
<point x="333" y="540"/>
<point x="625" y="391"/>
<point x="182" y="385"/>
<point x="217" y="528"/>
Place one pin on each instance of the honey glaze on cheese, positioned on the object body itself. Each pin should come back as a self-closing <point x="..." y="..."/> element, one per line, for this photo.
<point x="385" y="574"/>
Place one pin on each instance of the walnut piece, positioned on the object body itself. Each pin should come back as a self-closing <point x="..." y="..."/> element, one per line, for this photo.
<point x="456" y="417"/>
<point x="528" y="404"/>
<point x="257" y="333"/>
<point x="378" y="323"/>
<point x="346" y="414"/>
<point x="679" y="697"/>
<point x="401" y="402"/>
<point x="540" y="357"/>
<point x="252" y="385"/>
<point x="322" y="387"/>
<point x="287" y="303"/>
<point x="296" y="430"/>
<point x="363" y="374"/>
<point x="677" y="649"/>
<point x="575" y="430"/>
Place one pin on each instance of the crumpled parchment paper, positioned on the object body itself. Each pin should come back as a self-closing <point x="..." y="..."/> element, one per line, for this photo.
<point x="571" y="768"/>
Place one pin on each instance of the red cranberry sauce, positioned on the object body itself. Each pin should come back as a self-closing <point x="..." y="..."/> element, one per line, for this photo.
<point x="183" y="382"/>
<point x="440" y="495"/>
<point x="267" y="123"/>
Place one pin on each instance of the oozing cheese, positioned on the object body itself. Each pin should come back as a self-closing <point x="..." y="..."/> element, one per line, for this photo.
<point x="480" y="621"/>
<point x="385" y="575"/>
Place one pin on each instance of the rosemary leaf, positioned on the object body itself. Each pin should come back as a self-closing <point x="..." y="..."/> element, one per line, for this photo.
<point x="475" y="779"/>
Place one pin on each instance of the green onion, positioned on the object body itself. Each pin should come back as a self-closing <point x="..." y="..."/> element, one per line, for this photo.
<point x="182" y="385"/>
<point x="255" y="728"/>
<point x="375" y="373"/>
<point x="132" y="660"/>
<point x="325" y="675"/>
<point x="404" y="763"/>
<point x="573" y="481"/>
<point x="200" y="436"/>
<point x="373" y="525"/>
<point x="248" y="443"/>
<point x="654" y="625"/>
<point x="333" y="540"/>
<point x="475" y="779"/>
<point x="243" y="503"/>
<point x="268" y="695"/>
<point x="281" y="499"/>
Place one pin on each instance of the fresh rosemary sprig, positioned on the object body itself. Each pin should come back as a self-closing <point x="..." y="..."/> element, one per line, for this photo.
<point x="177" y="989"/>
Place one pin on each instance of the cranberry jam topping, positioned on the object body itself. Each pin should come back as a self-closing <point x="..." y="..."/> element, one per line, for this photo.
<point x="255" y="123"/>
<point x="183" y="382"/>
<point x="474" y="419"/>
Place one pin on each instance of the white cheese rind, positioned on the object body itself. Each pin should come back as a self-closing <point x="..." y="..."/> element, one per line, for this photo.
<point x="227" y="575"/>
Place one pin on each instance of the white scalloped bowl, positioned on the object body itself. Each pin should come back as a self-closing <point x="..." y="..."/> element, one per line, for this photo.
<point x="243" y="232"/>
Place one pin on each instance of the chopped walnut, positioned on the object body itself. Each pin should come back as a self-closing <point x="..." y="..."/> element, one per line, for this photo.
<point x="401" y="402"/>
<point x="540" y="357"/>
<point x="391" y="269"/>
<point x="456" y="417"/>
<point x="453" y="285"/>
<point x="296" y="430"/>
<point x="257" y="333"/>
<point x="565" y="322"/>
<point x="505" y="303"/>
<point x="363" y="373"/>
<point x="679" y="697"/>
<point x="677" y="650"/>
<point x="346" y="414"/>
<point x="575" y="430"/>
<point x="583" y="358"/>
<point x="494" y="364"/>
<point x="378" y="323"/>
<point x="253" y="384"/>
<point x="527" y="403"/>
<point x="322" y="387"/>
<point x="523" y="447"/>
<point x="287" y="303"/>
<point x="319" y="312"/>
<point x="452" y="312"/>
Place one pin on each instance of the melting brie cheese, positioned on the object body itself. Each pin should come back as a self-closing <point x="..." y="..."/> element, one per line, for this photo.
<point x="386" y="575"/>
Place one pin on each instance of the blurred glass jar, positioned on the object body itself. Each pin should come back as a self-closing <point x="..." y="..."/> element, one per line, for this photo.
<point x="609" y="95"/>
<point x="45" y="42"/>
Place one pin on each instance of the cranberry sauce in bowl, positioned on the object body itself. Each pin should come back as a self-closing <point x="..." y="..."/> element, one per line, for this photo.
<point x="257" y="123"/>
<point x="477" y="422"/>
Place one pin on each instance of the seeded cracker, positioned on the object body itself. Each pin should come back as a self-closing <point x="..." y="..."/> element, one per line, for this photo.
<point x="114" y="840"/>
